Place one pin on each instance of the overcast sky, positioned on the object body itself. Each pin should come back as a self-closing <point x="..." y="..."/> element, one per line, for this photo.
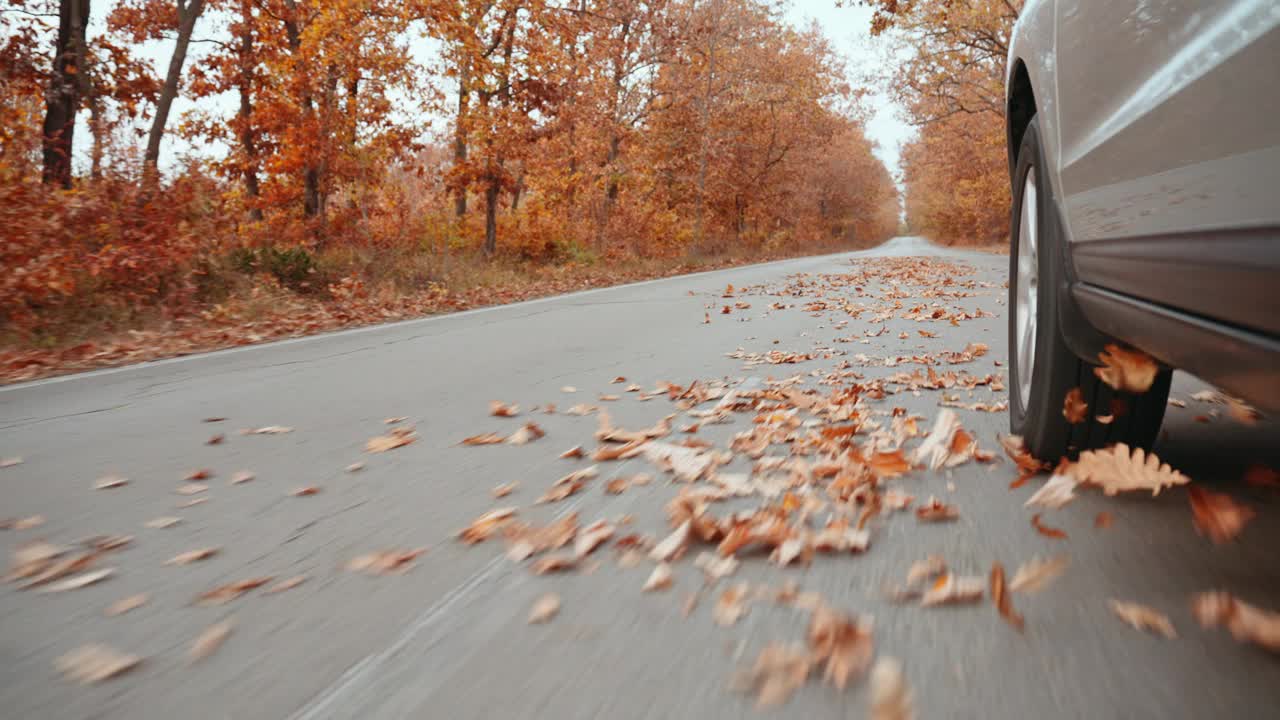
<point x="847" y="28"/>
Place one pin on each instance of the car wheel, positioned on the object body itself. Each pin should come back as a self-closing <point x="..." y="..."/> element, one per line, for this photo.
<point x="1043" y="370"/>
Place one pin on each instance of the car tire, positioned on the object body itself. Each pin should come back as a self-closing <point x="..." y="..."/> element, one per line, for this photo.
<point x="1036" y="411"/>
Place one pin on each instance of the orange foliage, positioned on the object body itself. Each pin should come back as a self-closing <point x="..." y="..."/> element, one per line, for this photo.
<point x="339" y="165"/>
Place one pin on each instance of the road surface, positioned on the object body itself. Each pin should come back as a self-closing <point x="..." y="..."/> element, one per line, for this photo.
<point x="449" y="638"/>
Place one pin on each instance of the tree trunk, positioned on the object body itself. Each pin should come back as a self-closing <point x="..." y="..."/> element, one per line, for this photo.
<point x="491" y="214"/>
<point x="63" y="97"/>
<point x="515" y="194"/>
<point x="460" y="137"/>
<point x="188" y="12"/>
<point x="311" y="174"/>
<point x="248" y="141"/>
<point x="95" y="131"/>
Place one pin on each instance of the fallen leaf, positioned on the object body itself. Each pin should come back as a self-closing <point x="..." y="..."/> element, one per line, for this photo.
<point x="1261" y="476"/>
<point x="560" y="491"/>
<point x="1126" y="370"/>
<point x="110" y="481"/>
<point x="191" y="556"/>
<point x="395" y="420"/>
<point x="215" y="440"/>
<point x="843" y="643"/>
<point x="716" y="567"/>
<point x="616" y="486"/>
<point x="35" y="559"/>
<point x="778" y="672"/>
<point x="398" y="437"/>
<point x="287" y="584"/>
<point x="120" y="607"/>
<point x="568" y="389"/>
<point x="890" y="697"/>
<point x="591" y="536"/>
<point x="731" y="606"/>
<point x="1104" y="419"/>
<point x="209" y="641"/>
<point x="385" y="562"/>
<point x="213" y="419"/>
<point x="498" y="408"/>
<point x="660" y="579"/>
<point x="573" y="453"/>
<point x="1217" y="515"/>
<point x="1102" y="520"/>
<point x="936" y="511"/>
<point x="355" y="467"/>
<point x="673" y="544"/>
<point x="1036" y="574"/>
<point x="483" y="527"/>
<point x="1242" y="412"/>
<point x="946" y="445"/>
<point x="10" y="462"/>
<point x="1117" y="469"/>
<point x="89" y="664"/>
<point x="544" y="609"/>
<point x="268" y="430"/>
<point x="1143" y="618"/>
<point x="953" y="590"/>
<point x="1045" y="530"/>
<point x="107" y="543"/>
<point x="305" y="491"/>
<point x="193" y="503"/>
<point x="1074" y="408"/>
<point x="485" y="439"/>
<point x="504" y="489"/>
<point x="526" y="434"/>
<point x="555" y="562"/>
<point x="1058" y="491"/>
<point x="1245" y="622"/>
<point x="242" y="477"/>
<point x="203" y="474"/>
<point x="191" y="488"/>
<point x="1000" y="598"/>
<point x="27" y="523"/>
<point x="75" y="582"/>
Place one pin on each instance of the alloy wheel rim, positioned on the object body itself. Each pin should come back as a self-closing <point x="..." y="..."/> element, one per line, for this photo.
<point x="1027" y="284"/>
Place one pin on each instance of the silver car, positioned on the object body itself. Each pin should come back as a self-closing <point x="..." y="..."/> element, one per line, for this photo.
<point x="1144" y="151"/>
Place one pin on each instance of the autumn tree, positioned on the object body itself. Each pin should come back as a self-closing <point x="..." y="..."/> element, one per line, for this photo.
<point x="950" y="80"/>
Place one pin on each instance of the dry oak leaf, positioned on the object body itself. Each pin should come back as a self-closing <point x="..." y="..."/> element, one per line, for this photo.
<point x="939" y="449"/>
<point x="268" y="430"/>
<point x="731" y="606"/>
<point x="75" y="582"/>
<point x="243" y="476"/>
<point x="215" y="439"/>
<point x="1142" y="617"/>
<point x="286" y="584"/>
<point x="483" y="527"/>
<point x="778" y="672"/>
<point x="120" y="607"/>
<point x="952" y="589"/>
<point x="1217" y="515"/>
<point x="843" y="643"/>
<point x="673" y="544"/>
<point x="500" y="409"/>
<point x="1036" y="574"/>
<point x="890" y="697"/>
<point x="398" y="437"/>
<point x="504" y="489"/>
<point x="1074" y="408"/>
<point x="191" y="488"/>
<point x="305" y="491"/>
<point x="659" y="579"/>
<point x="89" y="664"/>
<point x="485" y="439"/>
<point x="1058" y="491"/>
<point x="27" y="523"/>
<point x="544" y="608"/>
<point x="209" y="641"/>
<point x="1045" y="530"/>
<point x="526" y="434"/>
<point x="616" y="486"/>
<point x="591" y="536"/>
<point x="385" y="562"/>
<point x="226" y="593"/>
<point x="110" y="481"/>
<point x="1000" y="598"/>
<point x="936" y="511"/>
<point x="715" y="567"/>
<point x="573" y="453"/>
<point x="1245" y="622"/>
<point x="1117" y="469"/>
<point x="1126" y="370"/>
<point x="561" y="490"/>
<point x="556" y="562"/>
<point x="202" y="474"/>
<point x="191" y="556"/>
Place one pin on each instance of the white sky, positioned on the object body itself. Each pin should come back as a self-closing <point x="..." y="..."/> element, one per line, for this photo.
<point x="847" y="28"/>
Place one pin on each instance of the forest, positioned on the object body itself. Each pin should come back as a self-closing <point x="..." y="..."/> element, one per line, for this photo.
<point x="363" y="160"/>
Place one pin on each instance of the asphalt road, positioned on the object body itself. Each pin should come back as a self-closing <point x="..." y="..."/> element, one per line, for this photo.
<point x="449" y="639"/>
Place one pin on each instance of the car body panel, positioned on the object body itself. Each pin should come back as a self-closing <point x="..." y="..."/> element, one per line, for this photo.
<point x="1159" y="121"/>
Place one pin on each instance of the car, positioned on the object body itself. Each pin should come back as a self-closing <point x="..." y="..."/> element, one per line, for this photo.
<point x="1144" y="156"/>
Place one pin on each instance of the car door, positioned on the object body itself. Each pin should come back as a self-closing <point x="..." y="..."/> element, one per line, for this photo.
<point x="1169" y="161"/>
